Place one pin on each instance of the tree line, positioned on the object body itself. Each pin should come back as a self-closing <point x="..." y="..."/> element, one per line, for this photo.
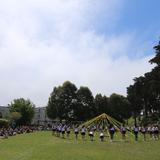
<point x="73" y="104"/>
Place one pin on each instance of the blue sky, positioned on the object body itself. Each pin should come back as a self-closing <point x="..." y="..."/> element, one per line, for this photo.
<point x="102" y="44"/>
<point x="137" y="16"/>
<point x="140" y="17"/>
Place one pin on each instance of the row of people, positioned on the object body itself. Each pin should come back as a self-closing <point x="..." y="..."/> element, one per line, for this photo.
<point x="153" y="131"/>
<point x="64" y="129"/>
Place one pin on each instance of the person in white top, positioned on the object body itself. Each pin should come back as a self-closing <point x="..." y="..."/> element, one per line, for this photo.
<point x="91" y="134"/>
<point x="83" y="132"/>
<point x="143" y="131"/>
<point x="153" y="132"/>
<point x="156" y="132"/>
<point x="53" y="129"/>
<point x="123" y="132"/>
<point x="135" y="131"/>
<point x="63" y="132"/>
<point x="149" y="130"/>
<point x="68" y="131"/>
<point x="76" y="132"/>
<point x="101" y="136"/>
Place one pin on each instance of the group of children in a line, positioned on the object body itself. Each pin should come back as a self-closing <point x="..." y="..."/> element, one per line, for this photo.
<point x="152" y="130"/>
<point x="63" y="130"/>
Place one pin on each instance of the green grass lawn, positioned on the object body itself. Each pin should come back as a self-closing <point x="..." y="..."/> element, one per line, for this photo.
<point x="44" y="146"/>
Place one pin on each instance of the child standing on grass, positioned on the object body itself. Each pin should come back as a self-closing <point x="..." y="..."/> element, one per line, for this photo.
<point x="101" y="136"/>
<point x="83" y="132"/>
<point x="149" y="130"/>
<point x="143" y="131"/>
<point x="63" y="131"/>
<point x="68" y="131"/>
<point x="135" y="131"/>
<point x="53" y="129"/>
<point x="91" y="134"/>
<point x="76" y="132"/>
<point x="111" y="132"/>
<point x="156" y="133"/>
<point x="123" y="132"/>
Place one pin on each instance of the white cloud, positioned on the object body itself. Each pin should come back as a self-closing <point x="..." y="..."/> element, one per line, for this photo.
<point x="44" y="43"/>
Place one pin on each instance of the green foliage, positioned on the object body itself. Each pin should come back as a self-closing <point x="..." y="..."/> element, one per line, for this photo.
<point x="25" y="109"/>
<point x="144" y="94"/>
<point x="135" y="96"/>
<point x="69" y="103"/>
<point x="85" y="108"/>
<point x="4" y="123"/>
<point x="62" y="101"/>
<point x="153" y="118"/>
<point x="15" y="116"/>
<point x="66" y="102"/>
<point x="101" y="104"/>
<point x="120" y="107"/>
<point x="0" y="115"/>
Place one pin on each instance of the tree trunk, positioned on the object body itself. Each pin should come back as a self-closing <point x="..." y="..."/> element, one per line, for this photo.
<point x="135" y="119"/>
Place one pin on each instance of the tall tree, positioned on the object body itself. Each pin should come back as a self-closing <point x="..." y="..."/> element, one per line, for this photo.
<point x="120" y="107"/>
<point x="25" y="108"/>
<point x="62" y="102"/>
<point x="69" y="99"/>
<point x="53" y="108"/>
<point x="101" y="104"/>
<point x="85" y="108"/>
<point x="134" y="97"/>
<point x="144" y="94"/>
<point x="154" y="77"/>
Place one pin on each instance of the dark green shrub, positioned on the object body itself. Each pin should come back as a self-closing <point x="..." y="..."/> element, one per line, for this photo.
<point x="4" y="123"/>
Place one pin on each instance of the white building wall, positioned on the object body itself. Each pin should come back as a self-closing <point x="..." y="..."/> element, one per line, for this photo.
<point x="4" y="110"/>
<point x="40" y="116"/>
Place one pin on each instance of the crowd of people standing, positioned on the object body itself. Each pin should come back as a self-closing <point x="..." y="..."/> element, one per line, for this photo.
<point x="10" y="131"/>
<point x="64" y="130"/>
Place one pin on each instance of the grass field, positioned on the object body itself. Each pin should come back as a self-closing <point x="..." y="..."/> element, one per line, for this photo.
<point x="44" y="146"/>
